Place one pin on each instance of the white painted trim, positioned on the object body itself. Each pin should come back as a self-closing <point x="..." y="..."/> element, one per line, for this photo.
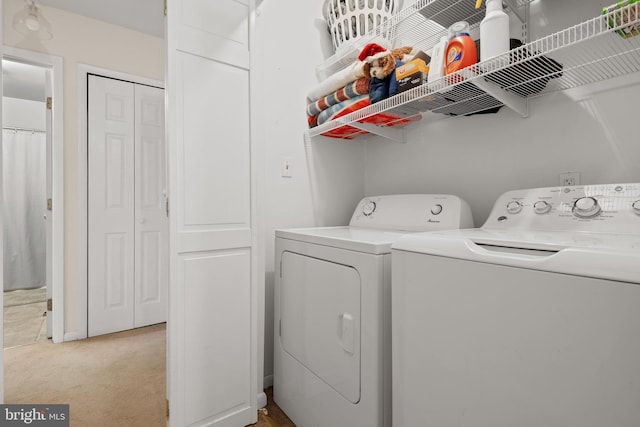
<point x="1" y="233"/>
<point x="55" y="63"/>
<point x="83" y="72"/>
<point x="257" y="153"/>
<point x="72" y="336"/>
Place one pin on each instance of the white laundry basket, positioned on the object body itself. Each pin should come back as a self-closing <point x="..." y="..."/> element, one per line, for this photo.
<point x="349" y="20"/>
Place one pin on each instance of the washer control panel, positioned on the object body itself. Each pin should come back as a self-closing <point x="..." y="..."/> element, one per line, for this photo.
<point x="611" y="208"/>
<point x="412" y="212"/>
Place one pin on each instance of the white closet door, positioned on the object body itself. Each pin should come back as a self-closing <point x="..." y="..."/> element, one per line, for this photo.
<point x="111" y="206"/>
<point x="212" y="305"/>
<point x="151" y="223"/>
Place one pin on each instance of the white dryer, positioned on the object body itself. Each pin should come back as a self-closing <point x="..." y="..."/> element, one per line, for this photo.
<point x="531" y="320"/>
<point x="332" y="310"/>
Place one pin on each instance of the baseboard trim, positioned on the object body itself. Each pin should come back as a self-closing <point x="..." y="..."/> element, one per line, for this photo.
<point x="267" y="381"/>
<point x="72" y="336"/>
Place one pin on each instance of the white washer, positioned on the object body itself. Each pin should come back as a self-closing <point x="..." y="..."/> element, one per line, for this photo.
<point x="531" y="320"/>
<point x="332" y="310"/>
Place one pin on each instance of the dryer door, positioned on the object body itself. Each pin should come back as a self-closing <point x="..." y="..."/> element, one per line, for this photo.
<point x="320" y="320"/>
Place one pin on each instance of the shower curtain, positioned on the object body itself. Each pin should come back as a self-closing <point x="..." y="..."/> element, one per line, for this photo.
<point x="24" y="205"/>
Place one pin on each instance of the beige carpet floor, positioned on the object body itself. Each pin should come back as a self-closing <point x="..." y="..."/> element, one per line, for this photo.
<point x="112" y="380"/>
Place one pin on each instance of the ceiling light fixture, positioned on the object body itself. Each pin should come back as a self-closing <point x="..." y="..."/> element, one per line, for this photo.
<point x="30" y="22"/>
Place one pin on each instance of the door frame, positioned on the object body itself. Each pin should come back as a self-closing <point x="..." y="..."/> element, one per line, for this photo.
<point x="55" y="64"/>
<point x="83" y="176"/>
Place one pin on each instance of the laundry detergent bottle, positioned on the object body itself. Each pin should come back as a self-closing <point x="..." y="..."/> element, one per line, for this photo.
<point x="461" y="50"/>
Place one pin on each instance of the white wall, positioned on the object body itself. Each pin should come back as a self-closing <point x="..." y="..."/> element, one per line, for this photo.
<point x="80" y="40"/>
<point x="23" y="113"/>
<point x="480" y="157"/>
<point x="327" y="175"/>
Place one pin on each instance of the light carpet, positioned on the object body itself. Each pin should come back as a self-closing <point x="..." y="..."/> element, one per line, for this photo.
<point x="111" y="380"/>
<point x="114" y="380"/>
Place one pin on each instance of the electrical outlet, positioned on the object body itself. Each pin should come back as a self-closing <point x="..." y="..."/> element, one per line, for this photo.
<point x="569" y="178"/>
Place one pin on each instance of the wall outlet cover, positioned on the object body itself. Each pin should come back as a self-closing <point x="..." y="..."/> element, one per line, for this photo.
<point x="567" y="179"/>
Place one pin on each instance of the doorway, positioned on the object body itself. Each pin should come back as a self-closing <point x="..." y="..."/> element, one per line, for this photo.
<point x="32" y="181"/>
<point x="24" y="195"/>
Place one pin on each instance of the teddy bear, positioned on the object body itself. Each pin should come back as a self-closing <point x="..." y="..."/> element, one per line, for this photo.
<point x="380" y="65"/>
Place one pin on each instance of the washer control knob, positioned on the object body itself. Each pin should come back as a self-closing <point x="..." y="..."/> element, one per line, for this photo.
<point x="437" y="209"/>
<point x="541" y="207"/>
<point x="368" y="208"/>
<point x="586" y="207"/>
<point x="636" y="207"/>
<point x="514" y="207"/>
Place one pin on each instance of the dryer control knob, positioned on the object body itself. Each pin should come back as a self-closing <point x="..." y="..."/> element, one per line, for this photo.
<point x="541" y="207"/>
<point x="437" y="209"/>
<point x="514" y="207"/>
<point x="368" y="208"/>
<point x="586" y="207"/>
<point x="636" y="207"/>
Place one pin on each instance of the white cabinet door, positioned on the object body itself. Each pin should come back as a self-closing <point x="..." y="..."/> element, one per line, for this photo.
<point x="151" y="223"/>
<point x="212" y="306"/>
<point x="110" y="205"/>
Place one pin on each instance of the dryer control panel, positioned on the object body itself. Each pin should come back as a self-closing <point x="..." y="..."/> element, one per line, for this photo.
<point x="607" y="208"/>
<point x="412" y="212"/>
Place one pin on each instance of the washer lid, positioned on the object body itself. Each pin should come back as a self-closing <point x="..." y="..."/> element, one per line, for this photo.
<point x="541" y="239"/>
<point x="606" y="256"/>
<point x="350" y="238"/>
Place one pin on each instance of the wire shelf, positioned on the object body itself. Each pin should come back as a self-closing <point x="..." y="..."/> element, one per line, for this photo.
<point x="419" y="25"/>
<point x="586" y="53"/>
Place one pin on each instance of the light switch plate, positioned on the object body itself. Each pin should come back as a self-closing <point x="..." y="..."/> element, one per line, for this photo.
<point x="285" y="167"/>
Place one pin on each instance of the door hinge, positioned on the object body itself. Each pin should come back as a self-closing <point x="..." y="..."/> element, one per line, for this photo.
<point x="166" y="205"/>
<point x="165" y="7"/>
<point x="49" y="304"/>
<point x="49" y="103"/>
<point x="280" y="328"/>
<point x="49" y="204"/>
<point x="167" y="400"/>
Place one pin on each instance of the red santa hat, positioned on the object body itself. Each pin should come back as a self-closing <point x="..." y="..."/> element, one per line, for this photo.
<point x="371" y="52"/>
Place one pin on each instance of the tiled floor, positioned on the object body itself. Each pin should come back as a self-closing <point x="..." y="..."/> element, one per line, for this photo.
<point x="25" y="320"/>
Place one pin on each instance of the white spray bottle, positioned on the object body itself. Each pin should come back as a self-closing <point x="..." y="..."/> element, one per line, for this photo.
<point x="494" y="31"/>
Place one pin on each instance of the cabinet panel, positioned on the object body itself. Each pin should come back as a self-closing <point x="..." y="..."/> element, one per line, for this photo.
<point x="215" y="163"/>
<point x="217" y="283"/>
